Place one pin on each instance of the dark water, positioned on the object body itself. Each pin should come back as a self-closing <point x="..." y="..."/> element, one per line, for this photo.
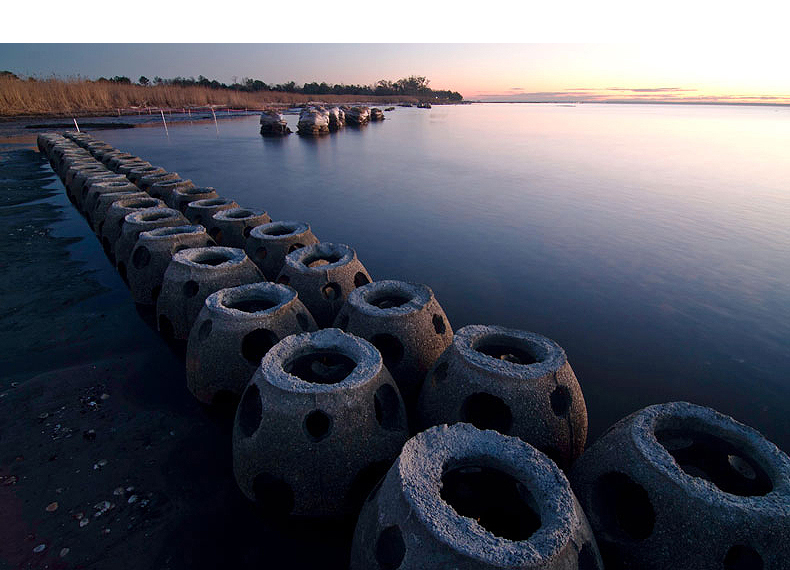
<point x="651" y="242"/>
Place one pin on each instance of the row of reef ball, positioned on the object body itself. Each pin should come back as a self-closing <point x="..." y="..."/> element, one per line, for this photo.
<point x="316" y="120"/>
<point x="453" y="450"/>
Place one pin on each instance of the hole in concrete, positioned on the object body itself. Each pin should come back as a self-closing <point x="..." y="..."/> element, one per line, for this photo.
<point x="438" y="324"/>
<point x="303" y="320"/>
<point x="554" y="453"/>
<point x="278" y="230"/>
<point x="623" y="507"/>
<point x="331" y="291"/>
<point x="212" y="258"/>
<point x="367" y="483"/>
<point x="390" y="548"/>
<point x="321" y="367"/>
<point x="251" y="305"/>
<point x="246" y="231"/>
<point x="560" y="401"/>
<point x="360" y="279"/>
<point x="499" y="502"/>
<point x="250" y="411"/>
<point x="260" y="253"/>
<point x="166" y="328"/>
<point x="342" y="321"/>
<point x="256" y="344"/>
<point x="295" y="246"/>
<point x="191" y="288"/>
<point x="205" y="330"/>
<point x="317" y="425"/>
<point x="503" y="348"/>
<point x="319" y="259"/>
<point x="210" y="243"/>
<point x="154" y="216"/>
<point x="716" y="460"/>
<point x="389" y="412"/>
<point x="390" y="347"/>
<point x="198" y="219"/>
<point x="155" y="293"/>
<point x="141" y="257"/>
<point x="742" y="557"/>
<point x="216" y="233"/>
<point x="283" y="280"/>
<point x="388" y="300"/>
<point x="486" y="411"/>
<point x="178" y="248"/>
<point x="587" y="558"/>
<point x="273" y="495"/>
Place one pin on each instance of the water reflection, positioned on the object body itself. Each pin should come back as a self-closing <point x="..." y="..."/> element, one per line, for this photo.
<point x="651" y="242"/>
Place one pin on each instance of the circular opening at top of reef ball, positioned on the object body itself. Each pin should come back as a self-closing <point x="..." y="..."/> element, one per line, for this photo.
<point x="324" y="274"/>
<point x="201" y="211"/>
<point x="183" y="196"/>
<point x="515" y="382"/>
<point x="318" y="425"/>
<point x="678" y="485"/>
<point x="459" y="497"/>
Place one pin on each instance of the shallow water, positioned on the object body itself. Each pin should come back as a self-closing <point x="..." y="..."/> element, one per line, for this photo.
<point x="651" y="242"/>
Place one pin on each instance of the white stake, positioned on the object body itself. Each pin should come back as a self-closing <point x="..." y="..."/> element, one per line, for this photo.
<point x="215" y="119"/>
<point x="165" y="123"/>
<point x="76" y="125"/>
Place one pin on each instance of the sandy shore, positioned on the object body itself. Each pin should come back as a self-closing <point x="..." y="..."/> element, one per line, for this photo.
<point x="106" y="460"/>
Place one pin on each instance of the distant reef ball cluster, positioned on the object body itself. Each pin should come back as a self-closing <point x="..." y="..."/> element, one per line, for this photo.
<point x="356" y="400"/>
<point x="317" y="120"/>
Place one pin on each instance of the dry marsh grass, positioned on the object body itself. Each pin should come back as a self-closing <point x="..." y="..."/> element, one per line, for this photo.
<point x="80" y="97"/>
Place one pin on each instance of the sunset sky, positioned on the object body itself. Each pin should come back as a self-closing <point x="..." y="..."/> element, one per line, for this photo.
<point x="685" y="62"/>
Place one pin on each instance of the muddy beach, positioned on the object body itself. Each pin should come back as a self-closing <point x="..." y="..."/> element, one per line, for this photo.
<point x="106" y="460"/>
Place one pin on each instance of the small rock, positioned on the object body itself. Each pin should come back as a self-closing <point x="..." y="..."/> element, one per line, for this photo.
<point x="132" y="499"/>
<point x="43" y="416"/>
<point x="105" y="531"/>
<point x="105" y="396"/>
<point x="89" y="435"/>
<point x="100" y="463"/>
<point x="39" y="548"/>
<point x="59" y="490"/>
<point x="118" y="491"/>
<point x="64" y="552"/>
<point x="84" y="522"/>
<point x="53" y="506"/>
<point x="10" y="481"/>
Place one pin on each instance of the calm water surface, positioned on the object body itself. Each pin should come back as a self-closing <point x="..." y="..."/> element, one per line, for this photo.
<point x="651" y="242"/>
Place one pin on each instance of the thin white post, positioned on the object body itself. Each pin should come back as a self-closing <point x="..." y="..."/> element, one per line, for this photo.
<point x="163" y="121"/>
<point x="76" y="125"/>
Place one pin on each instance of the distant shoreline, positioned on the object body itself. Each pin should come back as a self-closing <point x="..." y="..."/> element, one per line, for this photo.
<point x="628" y="102"/>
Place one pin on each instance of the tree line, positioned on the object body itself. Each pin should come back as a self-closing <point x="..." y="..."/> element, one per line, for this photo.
<point x="414" y="86"/>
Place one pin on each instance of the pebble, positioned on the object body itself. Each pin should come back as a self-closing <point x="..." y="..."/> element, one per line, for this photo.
<point x="43" y="416"/>
<point x="105" y="396"/>
<point x="118" y="491"/>
<point x="132" y="499"/>
<point x="99" y="464"/>
<point x="89" y="435"/>
<point x="52" y="507"/>
<point x="39" y="548"/>
<point x="64" y="552"/>
<point x="84" y="522"/>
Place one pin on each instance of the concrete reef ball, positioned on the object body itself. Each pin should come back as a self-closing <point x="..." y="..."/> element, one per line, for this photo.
<point x="104" y="187"/>
<point x="319" y="422"/>
<point x="164" y="188"/>
<point x="233" y="332"/>
<point x="83" y="186"/>
<point x="268" y="244"/>
<point x="181" y="197"/>
<point x="323" y="274"/>
<point x="405" y="322"/>
<point x="146" y="182"/>
<point x="200" y="211"/>
<point x="152" y="254"/>
<point x="113" y="221"/>
<point x="103" y="203"/>
<point x="135" y="223"/>
<point x="232" y="226"/>
<point x="194" y="274"/>
<point x="682" y="486"/>
<point x="459" y="497"/>
<point x="137" y="173"/>
<point x="515" y="382"/>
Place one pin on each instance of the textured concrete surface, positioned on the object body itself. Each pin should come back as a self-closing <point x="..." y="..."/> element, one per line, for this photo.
<point x="232" y="226"/>
<point x="135" y="223"/>
<point x="324" y="274"/>
<point x="317" y="426"/>
<point x="517" y="382"/>
<point x="682" y="486"/>
<point x="194" y="274"/>
<point x="234" y="331"/>
<point x="181" y="197"/>
<point x="201" y="211"/>
<point x="459" y="497"/>
<point x="406" y="323"/>
<point x="152" y="254"/>
<point x="113" y="221"/>
<point x="268" y="244"/>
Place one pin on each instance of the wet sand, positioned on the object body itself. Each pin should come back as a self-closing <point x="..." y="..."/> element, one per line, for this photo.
<point x="106" y="460"/>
